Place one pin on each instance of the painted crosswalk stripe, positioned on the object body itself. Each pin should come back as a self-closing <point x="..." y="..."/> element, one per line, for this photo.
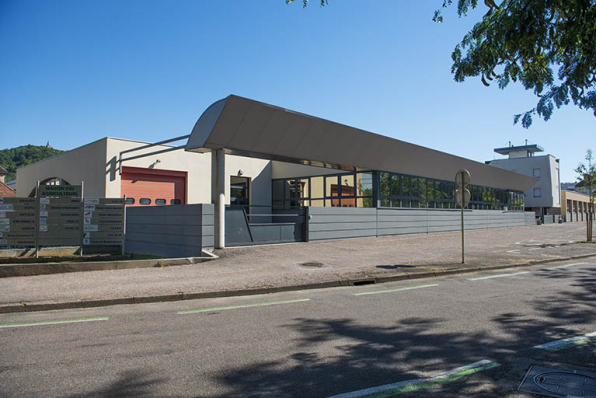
<point x="498" y="276"/>
<point x="396" y="290"/>
<point x="566" y="265"/>
<point x="568" y="343"/>
<point x="53" y="322"/>
<point x="390" y="390"/>
<point x="232" y="307"/>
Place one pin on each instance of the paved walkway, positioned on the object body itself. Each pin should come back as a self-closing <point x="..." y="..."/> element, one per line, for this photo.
<point x="262" y="269"/>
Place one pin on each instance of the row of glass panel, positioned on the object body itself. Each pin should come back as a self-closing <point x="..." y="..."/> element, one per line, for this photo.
<point x="339" y="190"/>
<point x="395" y="190"/>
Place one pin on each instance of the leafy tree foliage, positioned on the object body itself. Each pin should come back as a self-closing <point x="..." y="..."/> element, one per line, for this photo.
<point x="13" y="158"/>
<point x="305" y="2"/>
<point x="587" y="179"/>
<point x="525" y="41"/>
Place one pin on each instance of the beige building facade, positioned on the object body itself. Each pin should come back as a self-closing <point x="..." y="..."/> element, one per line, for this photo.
<point x="575" y="206"/>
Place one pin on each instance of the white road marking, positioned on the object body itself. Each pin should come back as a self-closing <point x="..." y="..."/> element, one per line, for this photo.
<point x="498" y="276"/>
<point x="566" y="265"/>
<point x="396" y="290"/>
<point x="54" y="322"/>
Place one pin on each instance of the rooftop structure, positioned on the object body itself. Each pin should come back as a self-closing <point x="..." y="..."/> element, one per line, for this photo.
<point x="522" y="151"/>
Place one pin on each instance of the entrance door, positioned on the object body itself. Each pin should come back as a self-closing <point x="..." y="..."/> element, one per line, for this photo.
<point x="240" y="192"/>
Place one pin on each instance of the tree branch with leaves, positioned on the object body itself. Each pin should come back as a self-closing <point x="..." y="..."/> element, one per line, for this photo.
<point x="587" y="179"/>
<point x="549" y="46"/>
<point x="525" y="41"/>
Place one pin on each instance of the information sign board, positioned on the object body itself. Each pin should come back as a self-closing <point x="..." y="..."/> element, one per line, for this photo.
<point x="60" y="191"/>
<point x="17" y="222"/>
<point x="103" y="222"/>
<point x="60" y="222"/>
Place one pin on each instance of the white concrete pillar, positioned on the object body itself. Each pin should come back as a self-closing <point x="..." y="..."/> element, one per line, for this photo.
<point x="218" y="195"/>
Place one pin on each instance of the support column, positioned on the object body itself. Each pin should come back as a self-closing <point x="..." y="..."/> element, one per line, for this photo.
<point x="218" y="195"/>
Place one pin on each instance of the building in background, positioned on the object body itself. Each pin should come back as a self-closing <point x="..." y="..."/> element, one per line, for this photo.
<point x="575" y="206"/>
<point x="544" y="197"/>
<point x="5" y="190"/>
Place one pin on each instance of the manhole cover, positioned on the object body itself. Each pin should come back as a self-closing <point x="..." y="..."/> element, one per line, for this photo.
<point x="312" y="264"/>
<point x="552" y="382"/>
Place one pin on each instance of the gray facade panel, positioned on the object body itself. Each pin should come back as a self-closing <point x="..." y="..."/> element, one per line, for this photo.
<point x="341" y="223"/>
<point x="169" y="231"/>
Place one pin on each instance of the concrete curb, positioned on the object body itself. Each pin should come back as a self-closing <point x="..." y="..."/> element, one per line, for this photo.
<point x="352" y="281"/>
<point x="33" y="269"/>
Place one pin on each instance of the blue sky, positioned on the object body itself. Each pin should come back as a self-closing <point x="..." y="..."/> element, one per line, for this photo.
<point x="76" y="71"/>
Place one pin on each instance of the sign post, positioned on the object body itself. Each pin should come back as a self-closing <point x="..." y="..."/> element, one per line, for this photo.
<point x="462" y="196"/>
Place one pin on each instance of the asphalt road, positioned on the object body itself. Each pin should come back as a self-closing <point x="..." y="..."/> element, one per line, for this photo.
<point x="311" y="343"/>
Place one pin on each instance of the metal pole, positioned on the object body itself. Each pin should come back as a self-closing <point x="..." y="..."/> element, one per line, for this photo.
<point x="37" y="222"/>
<point x="82" y="216"/>
<point x="463" y="258"/>
<point x="124" y="227"/>
<point x="218" y="173"/>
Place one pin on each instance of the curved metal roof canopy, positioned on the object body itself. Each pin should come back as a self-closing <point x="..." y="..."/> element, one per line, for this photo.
<point x="245" y="127"/>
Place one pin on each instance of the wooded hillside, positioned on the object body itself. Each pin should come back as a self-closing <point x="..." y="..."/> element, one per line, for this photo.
<point x="13" y="158"/>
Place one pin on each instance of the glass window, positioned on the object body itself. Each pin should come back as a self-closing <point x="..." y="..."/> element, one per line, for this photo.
<point x="430" y="189"/>
<point x="290" y="189"/>
<point x="537" y="192"/>
<point x="347" y="185"/>
<point x="414" y="188"/>
<point x="395" y="185"/>
<point x="405" y="186"/>
<point x="130" y="201"/>
<point x="536" y="173"/>
<point x="364" y="182"/>
<point x="384" y="183"/>
<point x="385" y="202"/>
<point x="175" y="201"/>
<point x="316" y="187"/>
<point x="160" y="202"/>
<point x="365" y="202"/>
<point x="145" y="201"/>
<point x="317" y="203"/>
<point x="331" y="186"/>
<point x="303" y="187"/>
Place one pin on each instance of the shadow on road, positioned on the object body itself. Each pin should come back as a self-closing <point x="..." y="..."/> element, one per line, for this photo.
<point x="357" y="356"/>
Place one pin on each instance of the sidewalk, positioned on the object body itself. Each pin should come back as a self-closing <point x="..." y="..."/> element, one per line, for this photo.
<point x="266" y="269"/>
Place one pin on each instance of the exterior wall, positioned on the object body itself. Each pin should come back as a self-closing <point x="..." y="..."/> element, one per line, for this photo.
<point x="198" y="167"/>
<point x="170" y="231"/>
<point x="341" y="223"/>
<point x="548" y="183"/>
<point x="574" y="206"/>
<point x="86" y="163"/>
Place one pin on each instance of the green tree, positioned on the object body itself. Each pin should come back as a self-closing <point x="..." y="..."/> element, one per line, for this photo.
<point x="525" y="41"/>
<point x="587" y="179"/>
<point x="13" y="158"/>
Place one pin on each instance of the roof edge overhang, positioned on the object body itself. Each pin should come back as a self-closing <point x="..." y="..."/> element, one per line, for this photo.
<point x="250" y="128"/>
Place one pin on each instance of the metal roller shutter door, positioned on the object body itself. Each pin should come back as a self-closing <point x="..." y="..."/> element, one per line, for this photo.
<point x="140" y="183"/>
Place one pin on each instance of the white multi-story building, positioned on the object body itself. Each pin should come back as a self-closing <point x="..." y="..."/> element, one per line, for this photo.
<point x="544" y="197"/>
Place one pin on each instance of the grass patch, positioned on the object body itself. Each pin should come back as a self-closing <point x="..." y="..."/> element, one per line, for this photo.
<point x="585" y="241"/>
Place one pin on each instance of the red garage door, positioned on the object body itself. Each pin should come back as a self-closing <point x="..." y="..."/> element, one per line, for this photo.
<point x="150" y="187"/>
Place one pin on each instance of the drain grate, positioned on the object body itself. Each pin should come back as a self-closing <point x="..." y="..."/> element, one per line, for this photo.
<point x="312" y="264"/>
<point x="552" y="382"/>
